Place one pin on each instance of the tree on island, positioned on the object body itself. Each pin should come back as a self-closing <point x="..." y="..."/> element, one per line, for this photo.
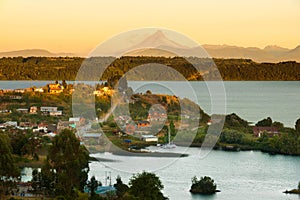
<point x="297" y="126"/>
<point x="146" y="186"/>
<point x="265" y="122"/>
<point x="205" y="185"/>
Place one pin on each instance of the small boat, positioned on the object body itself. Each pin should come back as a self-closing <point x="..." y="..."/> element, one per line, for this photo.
<point x="169" y="145"/>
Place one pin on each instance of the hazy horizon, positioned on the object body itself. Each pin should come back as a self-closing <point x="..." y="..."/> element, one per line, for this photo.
<point x="78" y="27"/>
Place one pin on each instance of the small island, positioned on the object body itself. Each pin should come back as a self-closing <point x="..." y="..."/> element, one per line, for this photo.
<point x="293" y="191"/>
<point x="204" y="186"/>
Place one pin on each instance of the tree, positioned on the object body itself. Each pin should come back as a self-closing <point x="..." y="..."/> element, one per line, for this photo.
<point x="64" y="84"/>
<point x="299" y="185"/>
<point x="205" y="185"/>
<point x="8" y="169"/>
<point x="297" y="126"/>
<point x="148" y="92"/>
<point x="146" y="186"/>
<point x="172" y="128"/>
<point x="120" y="187"/>
<point x="231" y="137"/>
<point x="93" y="185"/>
<point x="69" y="160"/>
<point x="278" y="125"/>
<point x="36" y="180"/>
<point x="264" y="122"/>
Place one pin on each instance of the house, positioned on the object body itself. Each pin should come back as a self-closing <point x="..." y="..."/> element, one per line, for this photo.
<point x="98" y="92"/>
<point x="149" y="138"/>
<point x="7" y="90"/>
<point x="209" y="122"/>
<point x="22" y="110"/>
<point x="157" y="116"/>
<point x="48" y="109"/>
<point x="74" y="119"/>
<point x="55" y="88"/>
<point x="143" y="124"/>
<point x="11" y="123"/>
<point x="79" y="121"/>
<point x="41" y="90"/>
<point x="27" y="125"/>
<point x="108" y="91"/>
<point x="29" y="89"/>
<point x="104" y="91"/>
<point x="65" y="125"/>
<point x="52" y="128"/>
<point x="15" y="97"/>
<point x="5" y="111"/>
<point x="271" y="131"/>
<point x="19" y="90"/>
<point x="42" y="127"/>
<point x="52" y="111"/>
<point x="56" y="113"/>
<point x="33" y="110"/>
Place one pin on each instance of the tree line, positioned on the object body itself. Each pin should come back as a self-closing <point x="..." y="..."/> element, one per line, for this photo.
<point x="66" y="68"/>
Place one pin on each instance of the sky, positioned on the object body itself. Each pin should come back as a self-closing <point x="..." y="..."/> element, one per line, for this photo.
<point x="78" y="26"/>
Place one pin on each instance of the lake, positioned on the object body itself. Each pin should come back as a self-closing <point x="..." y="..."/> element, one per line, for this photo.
<point x="247" y="175"/>
<point x="251" y="100"/>
<point x="239" y="175"/>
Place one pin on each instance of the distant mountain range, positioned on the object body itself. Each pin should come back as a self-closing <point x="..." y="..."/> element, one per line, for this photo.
<point x="33" y="52"/>
<point x="267" y="54"/>
<point x="158" y="44"/>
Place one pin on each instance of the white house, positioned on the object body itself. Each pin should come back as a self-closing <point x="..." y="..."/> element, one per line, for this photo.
<point x="48" y="109"/>
<point x="149" y="138"/>
<point x="11" y="123"/>
<point x="41" y="90"/>
<point x="55" y="113"/>
<point x="74" y="119"/>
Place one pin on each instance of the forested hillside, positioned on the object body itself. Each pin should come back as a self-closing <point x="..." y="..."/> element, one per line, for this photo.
<point x="66" y="68"/>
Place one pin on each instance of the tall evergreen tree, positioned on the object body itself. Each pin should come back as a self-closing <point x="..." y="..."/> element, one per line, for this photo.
<point x="69" y="160"/>
<point x="8" y="169"/>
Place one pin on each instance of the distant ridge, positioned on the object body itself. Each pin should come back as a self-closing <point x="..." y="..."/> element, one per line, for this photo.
<point x="270" y="53"/>
<point x="158" y="44"/>
<point x="159" y="40"/>
<point x="33" y="52"/>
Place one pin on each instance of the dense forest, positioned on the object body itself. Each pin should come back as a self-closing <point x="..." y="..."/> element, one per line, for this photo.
<point x="66" y="68"/>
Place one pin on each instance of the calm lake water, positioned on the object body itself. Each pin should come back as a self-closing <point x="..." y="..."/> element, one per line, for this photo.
<point x="248" y="175"/>
<point x="251" y="100"/>
<point x="239" y="175"/>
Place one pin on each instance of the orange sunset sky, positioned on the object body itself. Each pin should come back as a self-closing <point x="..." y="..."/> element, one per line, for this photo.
<point x="78" y="26"/>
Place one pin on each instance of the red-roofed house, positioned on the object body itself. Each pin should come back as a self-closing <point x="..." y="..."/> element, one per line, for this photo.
<point x="269" y="130"/>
